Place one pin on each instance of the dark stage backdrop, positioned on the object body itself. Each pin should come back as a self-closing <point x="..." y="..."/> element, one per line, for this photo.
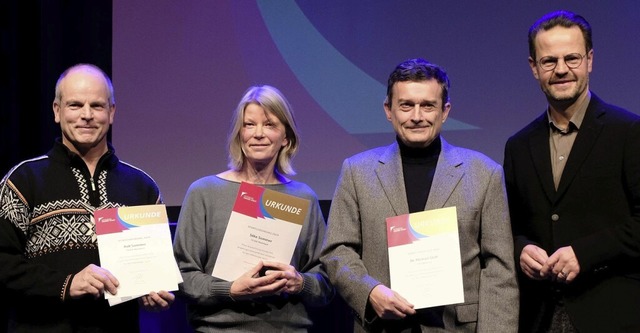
<point x="38" y="40"/>
<point x="180" y="68"/>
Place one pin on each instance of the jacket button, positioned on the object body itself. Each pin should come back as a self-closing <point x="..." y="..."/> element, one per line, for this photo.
<point x="555" y="217"/>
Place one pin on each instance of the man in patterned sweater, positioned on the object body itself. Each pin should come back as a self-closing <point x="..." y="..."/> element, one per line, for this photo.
<point x="48" y="249"/>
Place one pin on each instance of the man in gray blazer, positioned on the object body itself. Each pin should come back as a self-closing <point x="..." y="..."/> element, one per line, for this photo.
<point x="421" y="171"/>
<point x="573" y="179"/>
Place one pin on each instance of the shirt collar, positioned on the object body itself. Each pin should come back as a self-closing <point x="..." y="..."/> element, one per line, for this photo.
<point x="576" y="120"/>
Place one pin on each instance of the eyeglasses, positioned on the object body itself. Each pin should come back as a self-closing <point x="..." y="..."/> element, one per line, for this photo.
<point x="572" y="60"/>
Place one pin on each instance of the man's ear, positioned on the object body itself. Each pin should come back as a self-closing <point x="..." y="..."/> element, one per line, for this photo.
<point x="445" y="111"/>
<point x="112" y="113"/>
<point x="387" y="108"/>
<point x="56" y="111"/>
<point x="534" y="68"/>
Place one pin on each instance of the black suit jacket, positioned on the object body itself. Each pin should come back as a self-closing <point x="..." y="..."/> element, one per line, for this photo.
<point x="596" y="211"/>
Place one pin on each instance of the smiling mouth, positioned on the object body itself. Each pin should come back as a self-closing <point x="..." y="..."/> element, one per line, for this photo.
<point x="562" y="82"/>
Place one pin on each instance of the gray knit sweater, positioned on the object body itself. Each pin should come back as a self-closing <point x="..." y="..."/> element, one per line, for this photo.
<point x="202" y="223"/>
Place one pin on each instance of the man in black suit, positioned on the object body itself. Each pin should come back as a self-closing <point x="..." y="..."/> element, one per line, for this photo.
<point x="573" y="183"/>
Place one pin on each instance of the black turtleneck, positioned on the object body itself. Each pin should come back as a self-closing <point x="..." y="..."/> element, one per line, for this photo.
<point x="418" y="168"/>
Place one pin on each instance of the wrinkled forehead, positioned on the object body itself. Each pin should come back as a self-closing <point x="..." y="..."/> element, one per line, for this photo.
<point x="425" y="88"/>
<point x="83" y="85"/>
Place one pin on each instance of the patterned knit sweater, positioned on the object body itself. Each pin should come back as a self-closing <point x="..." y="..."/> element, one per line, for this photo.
<point x="47" y="235"/>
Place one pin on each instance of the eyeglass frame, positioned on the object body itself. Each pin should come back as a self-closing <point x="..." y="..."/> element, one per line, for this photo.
<point x="555" y="63"/>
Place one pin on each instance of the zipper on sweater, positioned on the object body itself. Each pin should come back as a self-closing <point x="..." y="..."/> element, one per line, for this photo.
<point x="94" y="197"/>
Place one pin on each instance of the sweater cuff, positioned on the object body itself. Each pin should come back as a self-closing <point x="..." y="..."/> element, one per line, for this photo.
<point x="65" y="291"/>
<point x="307" y="284"/>
<point x="222" y="289"/>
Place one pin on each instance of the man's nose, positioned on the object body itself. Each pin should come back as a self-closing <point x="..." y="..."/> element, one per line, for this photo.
<point x="86" y="112"/>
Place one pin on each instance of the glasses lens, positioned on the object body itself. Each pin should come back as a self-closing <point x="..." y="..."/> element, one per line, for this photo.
<point x="573" y="60"/>
<point x="548" y="63"/>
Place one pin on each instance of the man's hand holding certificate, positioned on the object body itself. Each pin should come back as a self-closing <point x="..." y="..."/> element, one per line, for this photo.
<point x="424" y="257"/>
<point x="264" y="226"/>
<point x="134" y="244"/>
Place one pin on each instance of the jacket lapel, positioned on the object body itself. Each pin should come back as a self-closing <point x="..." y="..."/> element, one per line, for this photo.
<point x="541" y="155"/>
<point x="447" y="176"/>
<point x="585" y="140"/>
<point x="389" y="173"/>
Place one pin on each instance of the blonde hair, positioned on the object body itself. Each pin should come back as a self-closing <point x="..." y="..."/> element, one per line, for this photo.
<point x="274" y="102"/>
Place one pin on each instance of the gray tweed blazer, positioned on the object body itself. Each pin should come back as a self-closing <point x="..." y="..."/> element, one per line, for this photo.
<point x="371" y="188"/>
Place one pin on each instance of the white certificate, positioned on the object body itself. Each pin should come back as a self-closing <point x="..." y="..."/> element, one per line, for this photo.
<point x="134" y="244"/>
<point x="264" y="225"/>
<point x="424" y="257"/>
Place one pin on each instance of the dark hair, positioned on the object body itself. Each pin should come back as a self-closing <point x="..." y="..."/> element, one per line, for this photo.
<point x="417" y="70"/>
<point x="561" y="18"/>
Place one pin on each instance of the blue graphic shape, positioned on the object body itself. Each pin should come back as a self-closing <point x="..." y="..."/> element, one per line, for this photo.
<point x="263" y="209"/>
<point x="341" y="88"/>
<point x="125" y="224"/>
<point x="414" y="232"/>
